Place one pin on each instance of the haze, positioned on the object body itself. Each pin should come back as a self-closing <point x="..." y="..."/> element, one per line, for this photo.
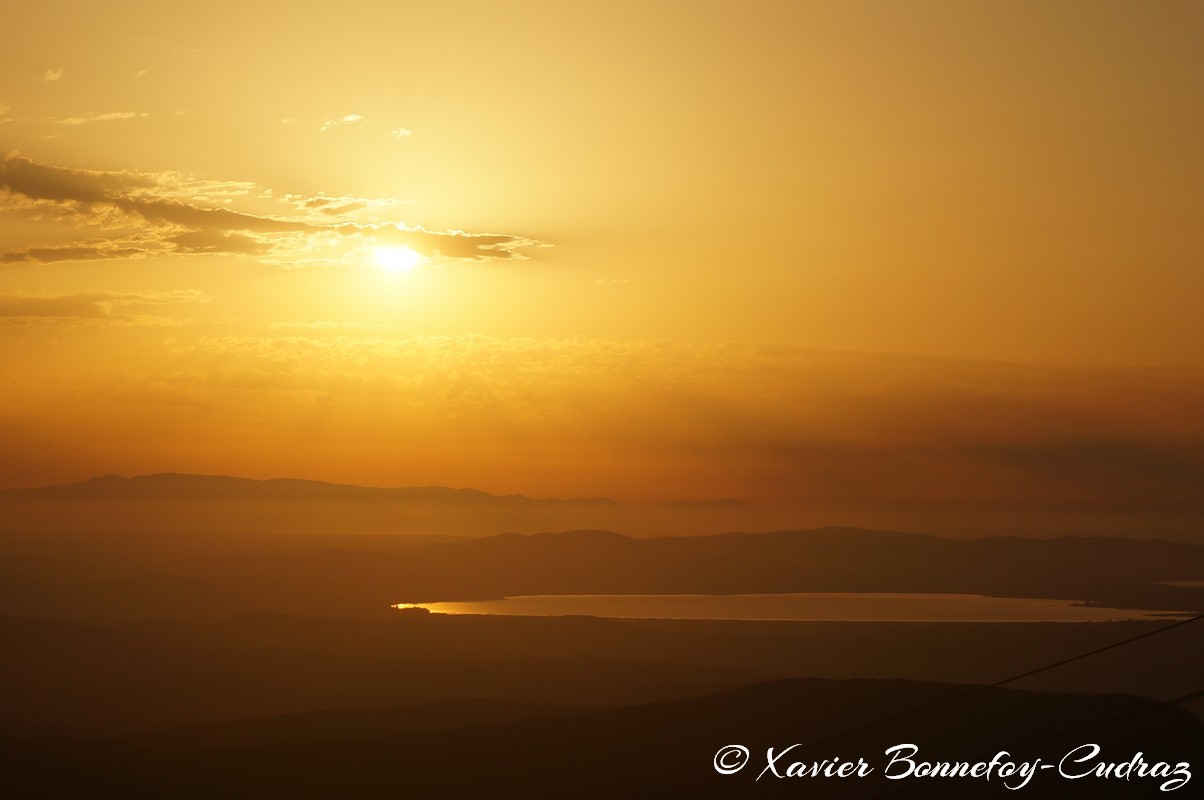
<point x="931" y="255"/>
<point x="825" y="372"/>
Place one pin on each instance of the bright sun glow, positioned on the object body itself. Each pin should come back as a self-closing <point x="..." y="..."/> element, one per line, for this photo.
<point x="397" y="259"/>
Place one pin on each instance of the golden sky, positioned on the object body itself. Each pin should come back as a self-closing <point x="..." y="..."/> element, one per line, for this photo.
<point x="929" y="252"/>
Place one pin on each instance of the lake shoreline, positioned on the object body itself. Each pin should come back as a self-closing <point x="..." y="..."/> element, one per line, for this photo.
<point x="800" y="607"/>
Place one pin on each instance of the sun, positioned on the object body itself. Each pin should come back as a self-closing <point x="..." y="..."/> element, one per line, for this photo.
<point x="397" y="259"/>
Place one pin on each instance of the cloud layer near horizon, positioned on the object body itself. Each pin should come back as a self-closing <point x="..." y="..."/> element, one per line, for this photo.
<point x="589" y="417"/>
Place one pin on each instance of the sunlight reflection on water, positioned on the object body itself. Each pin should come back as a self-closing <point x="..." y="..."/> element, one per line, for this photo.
<point x="810" y="606"/>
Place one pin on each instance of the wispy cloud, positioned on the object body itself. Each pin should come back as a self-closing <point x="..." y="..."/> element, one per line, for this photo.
<point x="339" y="205"/>
<point x="349" y="119"/>
<point x="107" y="117"/>
<point x="327" y="325"/>
<point x="53" y="75"/>
<point x="105" y="308"/>
<point x="92" y="250"/>
<point x="161" y="214"/>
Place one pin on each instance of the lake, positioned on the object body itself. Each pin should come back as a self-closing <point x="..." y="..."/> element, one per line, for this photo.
<point x="809" y="606"/>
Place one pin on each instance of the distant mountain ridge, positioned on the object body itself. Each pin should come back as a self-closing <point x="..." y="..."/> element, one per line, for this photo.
<point x="178" y="501"/>
<point x="208" y="575"/>
<point x="174" y="501"/>
<point x="180" y="484"/>
<point x="207" y="546"/>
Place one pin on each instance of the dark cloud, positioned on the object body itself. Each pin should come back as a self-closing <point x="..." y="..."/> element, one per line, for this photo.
<point x="171" y="212"/>
<point x="161" y="216"/>
<point x="43" y="182"/>
<point x="210" y="241"/>
<point x="77" y="252"/>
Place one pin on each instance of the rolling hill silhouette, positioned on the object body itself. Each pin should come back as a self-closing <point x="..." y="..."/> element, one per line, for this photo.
<point x="663" y="749"/>
<point x="202" y="636"/>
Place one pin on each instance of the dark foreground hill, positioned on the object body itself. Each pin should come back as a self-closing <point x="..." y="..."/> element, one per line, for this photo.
<point x="660" y="750"/>
<point x="68" y="679"/>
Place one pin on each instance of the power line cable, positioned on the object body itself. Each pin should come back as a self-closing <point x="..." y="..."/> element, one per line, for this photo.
<point x="979" y="689"/>
<point x="1029" y="747"/>
<point x="1011" y="679"/>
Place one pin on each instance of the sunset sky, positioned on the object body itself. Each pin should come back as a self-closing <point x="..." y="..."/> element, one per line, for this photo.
<point x="933" y="254"/>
